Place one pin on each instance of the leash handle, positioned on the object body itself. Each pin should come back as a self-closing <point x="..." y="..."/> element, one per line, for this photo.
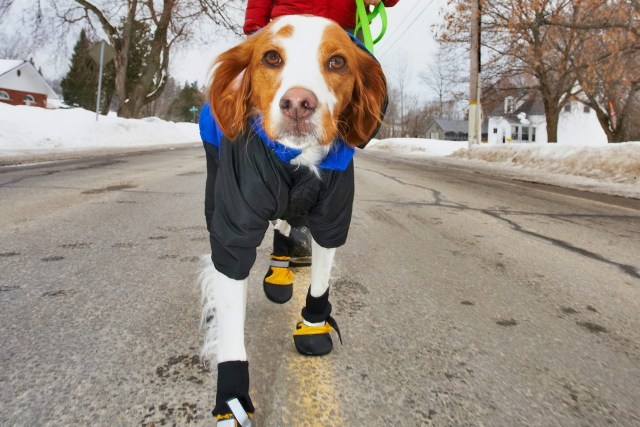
<point x="364" y="18"/>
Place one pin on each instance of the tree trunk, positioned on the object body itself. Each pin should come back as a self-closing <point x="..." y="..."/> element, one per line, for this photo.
<point x="552" y="116"/>
<point x="124" y="103"/>
<point x="122" y="61"/>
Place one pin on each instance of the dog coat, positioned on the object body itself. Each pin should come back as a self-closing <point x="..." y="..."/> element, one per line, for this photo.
<point x="255" y="183"/>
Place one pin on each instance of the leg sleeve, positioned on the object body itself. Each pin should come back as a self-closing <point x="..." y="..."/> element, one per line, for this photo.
<point x="330" y="218"/>
<point x="243" y="207"/>
<point x="212" y="171"/>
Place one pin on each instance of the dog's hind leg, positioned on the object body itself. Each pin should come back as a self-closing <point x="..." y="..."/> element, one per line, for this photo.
<point x="312" y="335"/>
<point x="322" y="262"/>
<point x="224" y="308"/>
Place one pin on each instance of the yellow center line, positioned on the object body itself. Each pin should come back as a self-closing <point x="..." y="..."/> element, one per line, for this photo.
<point x="312" y="396"/>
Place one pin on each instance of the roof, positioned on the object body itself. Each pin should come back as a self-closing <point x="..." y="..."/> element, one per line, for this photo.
<point x="453" y="125"/>
<point x="28" y="78"/>
<point x="7" y="65"/>
<point x="532" y="106"/>
<point x="459" y="126"/>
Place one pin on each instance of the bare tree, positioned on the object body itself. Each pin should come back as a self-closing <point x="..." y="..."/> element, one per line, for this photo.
<point x="5" y="5"/>
<point x="170" y="22"/>
<point x="567" y="46"/>
<point x="14" y="46"/>
<point x="609" y="65"/>
<point x="518" y="42"/>
<point x="443" y="77"/>
<point x="401" y="80"/>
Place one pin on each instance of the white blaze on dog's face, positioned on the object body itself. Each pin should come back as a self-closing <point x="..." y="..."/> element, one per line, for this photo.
<point x="307" y="79"/>
<point x="305" y="60"/>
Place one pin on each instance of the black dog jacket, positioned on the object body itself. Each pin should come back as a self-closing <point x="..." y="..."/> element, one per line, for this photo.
<point x="253" y="185"/>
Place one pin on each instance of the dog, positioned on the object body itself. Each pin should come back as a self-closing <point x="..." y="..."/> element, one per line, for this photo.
<point x="290" y="104"/>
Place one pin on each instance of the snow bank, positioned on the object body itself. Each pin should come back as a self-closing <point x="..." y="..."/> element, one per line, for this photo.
<point x="417" y="146"/>
<point x="29" y="130"/>
<point x="588" y="166"/>
<point x="618" y="163"/>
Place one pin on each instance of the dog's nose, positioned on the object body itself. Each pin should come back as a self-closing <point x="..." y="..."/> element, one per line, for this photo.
<point x="298" y="103"/>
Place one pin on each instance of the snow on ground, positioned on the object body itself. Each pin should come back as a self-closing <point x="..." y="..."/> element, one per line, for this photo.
<point x="28" y="131"/>
<point x="604" y="168"/>
<point x="36" y="133"/>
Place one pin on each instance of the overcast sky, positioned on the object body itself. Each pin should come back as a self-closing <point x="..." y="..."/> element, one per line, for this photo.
<point x="409" y="39"/>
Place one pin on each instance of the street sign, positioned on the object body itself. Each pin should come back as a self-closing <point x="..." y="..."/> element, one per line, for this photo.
<point x="109" y="52"/>
<point x="193" y="110"/>
<point x="102" y="53"/>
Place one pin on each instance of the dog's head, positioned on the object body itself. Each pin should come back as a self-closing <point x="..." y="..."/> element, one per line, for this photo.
<point x="306" y="78"/>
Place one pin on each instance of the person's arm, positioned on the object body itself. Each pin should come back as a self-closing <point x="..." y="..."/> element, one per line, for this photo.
<point x="258" y="14"/>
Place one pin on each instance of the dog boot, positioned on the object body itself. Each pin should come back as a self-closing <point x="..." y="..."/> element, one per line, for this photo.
<point x="314" y="339"/>
<point x="301" y="253"/>
<point x="278" y="282"/>
<point x="312" y="336"/>
<point x="233" y="404"/>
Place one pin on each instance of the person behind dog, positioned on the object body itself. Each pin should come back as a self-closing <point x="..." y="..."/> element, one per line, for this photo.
<point x="278" y="281"/>
<point x="260" y="12"/>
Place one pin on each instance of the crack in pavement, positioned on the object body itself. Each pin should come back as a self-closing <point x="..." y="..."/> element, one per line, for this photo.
<point x="440" y="201"/>
<point x="92" y="165"/>
<point x="626" y="268"/>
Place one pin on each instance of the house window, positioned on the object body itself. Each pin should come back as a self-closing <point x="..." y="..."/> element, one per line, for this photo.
<point x="29" y="99"/>
<point x="567" y="108"/>
<point x="525" y="133"/>
<point x="533" y="134"/>
<point x="495" y="130"/>
<point x="514" y="133"/>
<point x="4" y="96"/>
<point x="587" y="109"/>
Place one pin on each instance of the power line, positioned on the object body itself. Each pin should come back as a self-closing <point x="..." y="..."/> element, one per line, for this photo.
<point x="391" y="45"/>
<point x="408" y="15"/>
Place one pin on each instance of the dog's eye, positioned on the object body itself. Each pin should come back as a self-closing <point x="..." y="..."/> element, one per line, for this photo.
<point x="337" y="63"/>
<point x="272" y="58"/>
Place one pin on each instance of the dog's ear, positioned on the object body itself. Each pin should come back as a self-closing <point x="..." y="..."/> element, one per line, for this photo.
<point x="365" y="112"/>
<point x="230" y="88"/>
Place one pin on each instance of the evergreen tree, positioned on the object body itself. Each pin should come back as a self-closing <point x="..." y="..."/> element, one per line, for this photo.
<point x="80" y="84"/>
<point x="180" y="107"/>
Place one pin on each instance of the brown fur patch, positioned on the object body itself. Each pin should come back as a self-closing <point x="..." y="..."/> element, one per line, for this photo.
<point x="360" y="89"/>
<point x="286" y="31"/>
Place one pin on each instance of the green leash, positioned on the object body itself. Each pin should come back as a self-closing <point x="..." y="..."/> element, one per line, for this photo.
<point x="364" y="20"/>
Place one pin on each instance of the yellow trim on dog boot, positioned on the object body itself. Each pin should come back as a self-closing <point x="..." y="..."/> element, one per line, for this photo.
<point x="314" y="339"/>
<point x="278" y="282"/>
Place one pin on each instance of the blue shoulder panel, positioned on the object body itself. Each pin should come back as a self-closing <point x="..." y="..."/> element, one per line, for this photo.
<point x="209" y="130"/>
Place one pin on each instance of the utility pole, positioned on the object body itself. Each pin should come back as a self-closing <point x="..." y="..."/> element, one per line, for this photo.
<point x="475" y="119"/>
<point x="102" y="43"/>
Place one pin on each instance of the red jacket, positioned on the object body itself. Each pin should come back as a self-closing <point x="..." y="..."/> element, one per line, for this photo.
<point x="260" y="12"/>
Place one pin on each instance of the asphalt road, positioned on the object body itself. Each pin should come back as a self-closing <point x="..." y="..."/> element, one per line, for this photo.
<point x="464" y="300"/>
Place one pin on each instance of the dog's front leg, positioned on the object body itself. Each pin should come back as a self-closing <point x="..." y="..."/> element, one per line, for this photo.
<point x="312" y="335"/>
<point x="225" y="302"/>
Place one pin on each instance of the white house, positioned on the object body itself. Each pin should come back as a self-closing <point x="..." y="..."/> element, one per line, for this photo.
<point x="22" y="84"/>
<point x="523" y="121"/>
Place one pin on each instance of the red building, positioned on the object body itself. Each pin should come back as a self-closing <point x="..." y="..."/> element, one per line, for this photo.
<point x="22" y="84"/>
